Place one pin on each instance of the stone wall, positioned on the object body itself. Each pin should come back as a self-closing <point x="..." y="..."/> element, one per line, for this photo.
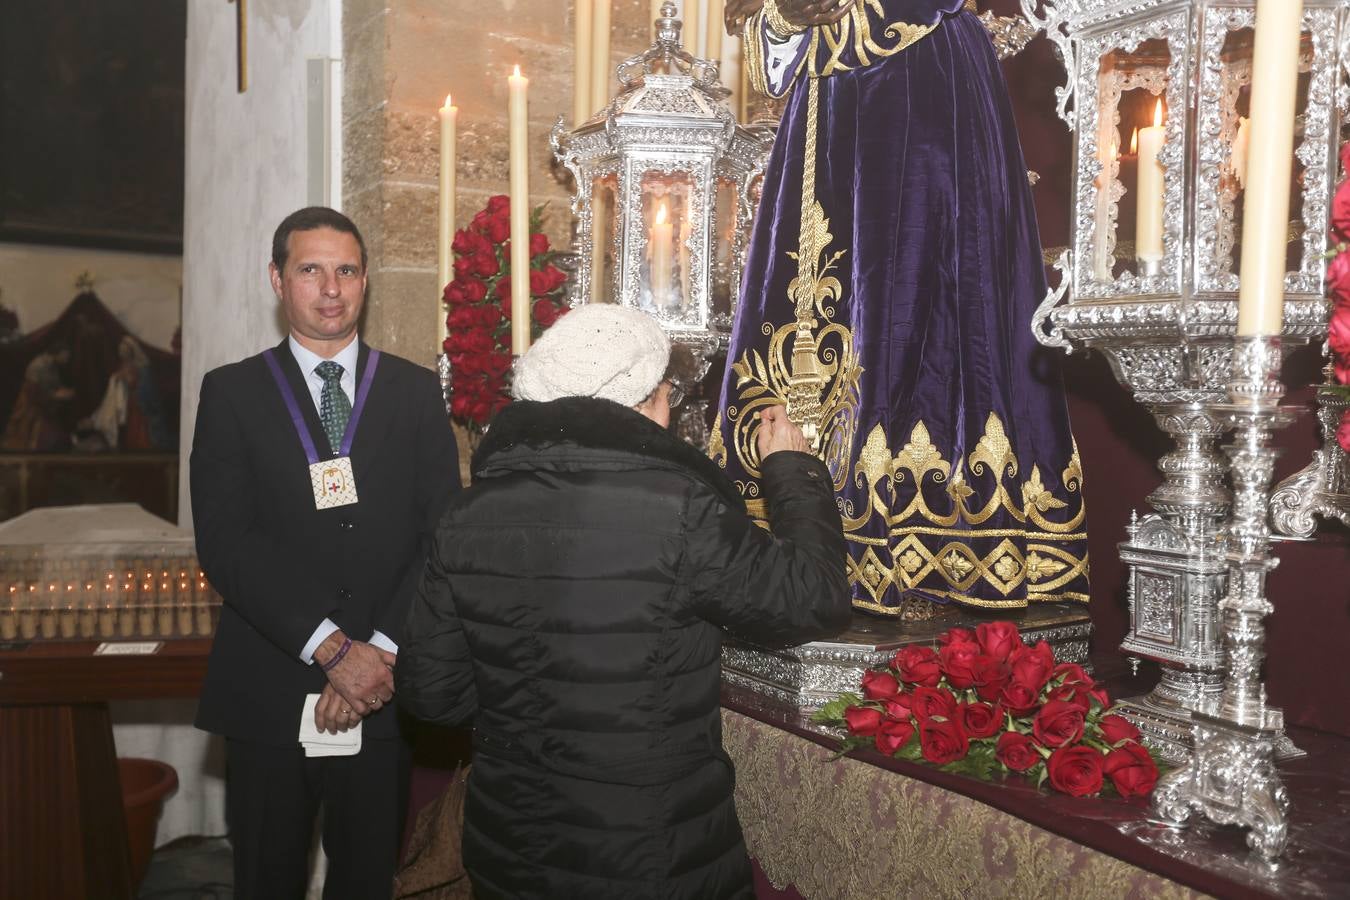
<point x="401" y="60"/>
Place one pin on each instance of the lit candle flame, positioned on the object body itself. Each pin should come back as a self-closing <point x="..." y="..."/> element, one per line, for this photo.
<point x="448" y="103"/>
<point x="661" y="214"/>
<point x="1158" y="114"/>
<point x="1134" y="143"/>
<point x="515" y="74"/>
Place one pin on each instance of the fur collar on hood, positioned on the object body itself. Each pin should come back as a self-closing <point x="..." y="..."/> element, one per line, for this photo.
<point x="525" y="434"/>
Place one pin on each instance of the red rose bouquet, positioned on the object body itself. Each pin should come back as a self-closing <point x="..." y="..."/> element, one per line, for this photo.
<point x="478" y="309"/>
<point x="1338" y="282"/>
<point x="982" y="702"/>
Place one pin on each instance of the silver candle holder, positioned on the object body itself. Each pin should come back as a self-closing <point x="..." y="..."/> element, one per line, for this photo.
<point x="1231" y="778"/>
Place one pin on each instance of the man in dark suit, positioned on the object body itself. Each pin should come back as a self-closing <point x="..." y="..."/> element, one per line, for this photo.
<point x="316" y="572"/>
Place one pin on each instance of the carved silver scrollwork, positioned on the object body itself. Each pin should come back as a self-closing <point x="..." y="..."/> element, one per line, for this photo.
<point x="1053" y="22"/>
<point x="1054" y="337"/>
<point x="1322" y="489"/>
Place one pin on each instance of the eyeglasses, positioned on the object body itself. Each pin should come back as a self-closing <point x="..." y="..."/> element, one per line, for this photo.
<point x="676" y="395"/>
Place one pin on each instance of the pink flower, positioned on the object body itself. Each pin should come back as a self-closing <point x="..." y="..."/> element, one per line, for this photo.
<point x="1343" y="433"/>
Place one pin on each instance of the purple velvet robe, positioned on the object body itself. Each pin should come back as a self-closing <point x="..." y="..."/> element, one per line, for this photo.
<point x="894" y="317"/>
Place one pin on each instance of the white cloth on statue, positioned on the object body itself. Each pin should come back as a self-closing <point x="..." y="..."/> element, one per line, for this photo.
<point x="111" y="413"/>
<point x="779" y="55"/>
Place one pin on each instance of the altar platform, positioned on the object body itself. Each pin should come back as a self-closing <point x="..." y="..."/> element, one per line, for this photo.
<point x="873" y="826"/>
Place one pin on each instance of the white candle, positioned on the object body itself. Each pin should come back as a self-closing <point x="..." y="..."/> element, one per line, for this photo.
<point x="731" y="73"/>
<point x="659" y="243"/>
<point x="715" y="29"/>
<point x="518" y="109"/>
<point x="582" y="61"/>
<point x="446" y="232"/>
<point x="1270" y="162"/>
<point x="600" y="213"/>
<point x="1241" y="147"/>
<point x="600" y="63"/>
<point x="693" y="26"/>
<point x="1148" y="227"/>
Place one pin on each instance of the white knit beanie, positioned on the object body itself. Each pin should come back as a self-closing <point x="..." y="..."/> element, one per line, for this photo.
<point x="597" y="350"/>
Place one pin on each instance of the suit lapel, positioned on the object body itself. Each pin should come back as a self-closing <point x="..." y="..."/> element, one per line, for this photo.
<point x="376" y="419"/>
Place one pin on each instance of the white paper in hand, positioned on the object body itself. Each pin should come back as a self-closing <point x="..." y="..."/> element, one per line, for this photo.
<point x="321" y="743"/>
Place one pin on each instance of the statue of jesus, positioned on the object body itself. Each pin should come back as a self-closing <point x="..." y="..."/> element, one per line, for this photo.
<point x="892" y="276"/>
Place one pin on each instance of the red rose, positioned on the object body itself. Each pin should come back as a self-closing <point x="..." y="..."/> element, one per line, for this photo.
<point x="477" y="340"/>
<point x="497" y="365"/>
<point x="465" y="289"/>
<point x="901" y="706"/>
<point x="957" y="662"/>
<point x="1116" y="728"/>
<point x="1342" y="365"/>
<point x="1016" y="751"/>
<point x="1032" y="666"/>
<point x="503" y="289"/>
<point x="468" y="243"/>
<point x="480" y="412"/>
<point x="485" y="264"/>
<point x="499" y="205"/>
<point x="463" y="365"/>
<point x="545" y="313"/>
<point x="929" y="702"/>
<point x="1073" y="692"/>
<point x="1018" y="698"/>
<point x="488" y="316"/>
<point x="998" y="639"/>
<point x="1343" y="432"/>
<point x="862" y="720"/>
<point x="1340" y="212"/>
<point x="1338" y="277"/>
<point x="990" y="674"/>
<point x="894" y="734"/>
<point x="546" y="280"/>
<point x="464" y="267"/>
<point x="499" y="229"/>
<point x="942" y="740"/>
<point x="1132" y="770"/>
<point x="538" y="244"/>
<point x="462" y="317"/>
<point x="980" y="720"/>
<point x="879" y="685"/>
<point x="1338" y="330"/>
<point x="1058" y="724"/>
<point x="1071" y="673"/>
<point x="1077" y="771"/>
<point x="956" y="636"/>
<point x="917" y="665"/>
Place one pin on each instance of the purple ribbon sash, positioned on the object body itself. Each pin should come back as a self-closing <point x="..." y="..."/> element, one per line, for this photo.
<point x="298" y="419"/>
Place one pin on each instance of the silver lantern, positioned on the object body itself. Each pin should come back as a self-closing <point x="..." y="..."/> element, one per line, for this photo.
<point x="1160" y="92"/>
<point x="663" y="198"/>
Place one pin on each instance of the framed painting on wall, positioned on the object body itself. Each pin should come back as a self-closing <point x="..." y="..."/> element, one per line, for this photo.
<point x="91" y="113"/>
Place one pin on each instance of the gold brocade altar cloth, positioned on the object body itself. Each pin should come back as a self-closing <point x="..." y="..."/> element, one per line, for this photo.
<point x="872" y="826"/>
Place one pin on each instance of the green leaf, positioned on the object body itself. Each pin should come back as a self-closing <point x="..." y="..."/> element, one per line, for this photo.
<point x="832" y="713"/>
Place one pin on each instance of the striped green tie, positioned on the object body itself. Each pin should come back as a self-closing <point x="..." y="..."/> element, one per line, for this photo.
<point x="334" y="407"/>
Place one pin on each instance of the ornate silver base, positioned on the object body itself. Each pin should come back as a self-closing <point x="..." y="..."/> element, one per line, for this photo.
<point x="1323" y="487"/>
<point x="1232" y="781"/>
<point x="807" y="677"/>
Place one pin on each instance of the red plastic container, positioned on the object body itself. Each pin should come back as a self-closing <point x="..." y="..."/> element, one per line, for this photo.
<point x="146" y="783"/>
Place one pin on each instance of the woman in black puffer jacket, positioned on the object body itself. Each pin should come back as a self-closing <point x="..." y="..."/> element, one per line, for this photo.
<point x="573" y="610"/>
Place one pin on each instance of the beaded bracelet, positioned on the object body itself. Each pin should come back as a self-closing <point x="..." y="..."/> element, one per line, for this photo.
<point x="780" y="25"/>
<point x="337" y="657"/>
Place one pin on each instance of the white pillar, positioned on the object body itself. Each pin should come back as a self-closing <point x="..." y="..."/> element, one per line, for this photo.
<point x="251" y="160"/>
